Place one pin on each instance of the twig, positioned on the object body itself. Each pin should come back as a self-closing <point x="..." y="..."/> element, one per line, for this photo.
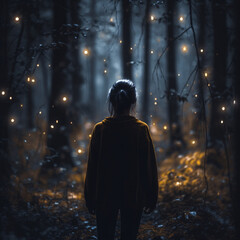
<point x="195" y="69"/>
<point x="202" y="97"/>
<point x="158" y="65"/>
<point x="194" y="78"/>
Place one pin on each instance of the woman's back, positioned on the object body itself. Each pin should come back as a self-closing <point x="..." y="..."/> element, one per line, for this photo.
<point x="124" y="148"/>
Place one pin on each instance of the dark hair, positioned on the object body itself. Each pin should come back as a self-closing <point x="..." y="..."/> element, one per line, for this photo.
<point x="121" y="96"/>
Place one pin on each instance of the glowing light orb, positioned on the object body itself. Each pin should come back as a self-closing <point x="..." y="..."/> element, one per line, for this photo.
<point x="193" y="142"/>
<point x="181" y="19"/>
<point x="64" y="99"/>
<point x="151" y="51"/>
<point x="195" y="95"/>
<point x="201" y="50"/>
<point x="165" y="127"/>
<point x="38" y="65"/>
<point x="205" y="74"/>
<point x="3" y="93"/>
<point x="33" y="80"/>
<point x="221" y="121"/>
<point x="10" y="98"/>
<point x="17" y="19"/>
<point x="178" y="183"/>
<point x="152" y="18"/>
<point x="79" y="150"/>
<point x="12" y="120"/>
<point x="184" y="48"/>
<point x="52" y="126"/>
<point x="155" y="103"/>
<point x="105" y="71"/>
<point x="85" y="52"/>
<point x="223" y="108"/>
<point x="120" y="41"/>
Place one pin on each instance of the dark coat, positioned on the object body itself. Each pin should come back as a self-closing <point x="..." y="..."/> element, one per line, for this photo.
<point x="122" y="167"/>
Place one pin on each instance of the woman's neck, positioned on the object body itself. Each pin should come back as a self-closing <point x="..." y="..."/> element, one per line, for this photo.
<point x="126" y="113"/>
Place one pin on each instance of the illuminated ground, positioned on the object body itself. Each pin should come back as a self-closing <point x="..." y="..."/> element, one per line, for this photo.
<point x="188" y="206"/>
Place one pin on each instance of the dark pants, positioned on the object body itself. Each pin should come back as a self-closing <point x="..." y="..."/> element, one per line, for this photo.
<point x="107" y="218"/>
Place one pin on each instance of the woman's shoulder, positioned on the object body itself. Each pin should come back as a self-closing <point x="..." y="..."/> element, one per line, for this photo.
<point x="122" y="121"/>
<point x="141" y="123"/>
<point x="97" y="126"/>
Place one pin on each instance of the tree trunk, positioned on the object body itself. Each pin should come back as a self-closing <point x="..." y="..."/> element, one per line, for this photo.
<point x="77" y="79"/>
<point x="4" y="83"/>
<point x="58" y="134"/>
<point x="146" y="87"/>
<point x="200" y="109"/>
<point x="219" y="70"/>
<point x="4" y="99"/>
<point x="237" y="117"/>
<point x="92" y="84"/>
<point x="126" y="39"/>
<point x="172" y="88"/>
<point x="29" y="54"/>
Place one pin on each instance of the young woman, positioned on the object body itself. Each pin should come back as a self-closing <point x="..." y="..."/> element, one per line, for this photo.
<point x="122" y="170"/>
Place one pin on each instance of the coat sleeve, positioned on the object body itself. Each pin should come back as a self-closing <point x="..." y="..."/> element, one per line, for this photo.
<point x="91" y="175"/>
<point x="150" y="175"/>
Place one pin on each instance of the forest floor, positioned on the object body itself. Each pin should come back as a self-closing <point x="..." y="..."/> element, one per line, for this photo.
<point x="189" y="207"/>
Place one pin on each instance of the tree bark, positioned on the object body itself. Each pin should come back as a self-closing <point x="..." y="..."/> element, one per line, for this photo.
<point x="4" y="99"/>
<point x="77" y="79"/>
<point x="236" y="137"/>
<point x="93" y="55"/>
<point x="199" y="119"/>
<point x="126" y="39"/>
<point x="58" y="134"/>
<point x="29" y="42"/>
<point x="146" y="85"/>
<point x="219" y="70"/>
<point x="172" y="88"/>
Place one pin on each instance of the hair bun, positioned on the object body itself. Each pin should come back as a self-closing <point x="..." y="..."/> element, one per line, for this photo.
<point x="121" y="96"/>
